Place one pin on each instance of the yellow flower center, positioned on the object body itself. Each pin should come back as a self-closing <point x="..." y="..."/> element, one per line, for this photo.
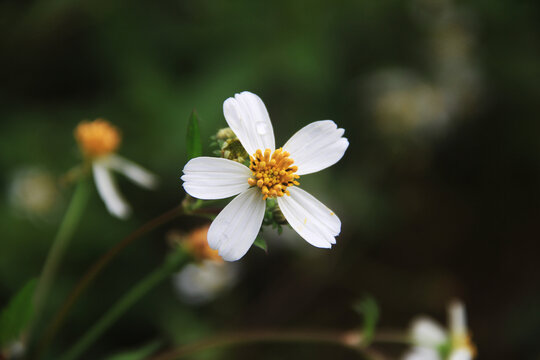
<point x="97" y="138"/>
<point x="272" y="174"/>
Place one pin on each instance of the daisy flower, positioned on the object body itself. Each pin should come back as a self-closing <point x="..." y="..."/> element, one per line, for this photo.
<point x="98" y="141"/>
<point x="433" y="342"/>
<point x="271" y="174"/>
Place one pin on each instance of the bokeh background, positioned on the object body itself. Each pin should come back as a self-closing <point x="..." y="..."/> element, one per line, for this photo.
<point x="438" y="192"/>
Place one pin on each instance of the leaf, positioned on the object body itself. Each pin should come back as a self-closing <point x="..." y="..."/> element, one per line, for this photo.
<point x="193" y="137"/>
<point x="369" y="309"/>
<point x="261" y="243"/>
<point x="137" y="354"/>
<point x="17" y="314"/>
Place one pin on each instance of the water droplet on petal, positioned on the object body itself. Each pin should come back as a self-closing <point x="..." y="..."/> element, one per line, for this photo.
<point x="261" y="127"/>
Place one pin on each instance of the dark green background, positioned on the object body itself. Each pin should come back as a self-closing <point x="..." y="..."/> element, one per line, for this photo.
<point x="427" y="215"/>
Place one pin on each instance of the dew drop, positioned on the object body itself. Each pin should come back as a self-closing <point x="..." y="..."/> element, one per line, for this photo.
<point x="261" y="127"/>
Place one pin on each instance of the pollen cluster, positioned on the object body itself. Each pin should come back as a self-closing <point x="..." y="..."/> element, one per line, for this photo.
<point x="97" y="138"/>
<point x="272" y="174"/>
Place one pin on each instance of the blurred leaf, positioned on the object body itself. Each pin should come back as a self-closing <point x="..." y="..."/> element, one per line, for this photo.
<point x="137" y="354"/>
<point x="261" y="243"/>
<point x="17" y="314"/>
<point x="193" y="140"/>
<point x="369" y="309"/>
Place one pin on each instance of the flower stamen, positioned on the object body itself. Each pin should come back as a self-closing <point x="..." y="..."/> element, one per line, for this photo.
<point x="97" y="138"/>
<point x="272" y="173"/>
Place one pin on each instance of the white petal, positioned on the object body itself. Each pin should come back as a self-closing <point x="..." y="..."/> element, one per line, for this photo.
<point x="211" y="178"/>
<point x="132" y="171"/>
<point x="460" y="354"/>
<point x="248" y="118"/>
<point x="316" y="146"/>
<point x="457" y="319"/>
<point x="426" y="332"/>
<point x="198" y="283"/>
<point x="310" y="218"/>
<point x="422" y="353"/>
<point x="237" y="225"/>
<point x="108" y="191"/>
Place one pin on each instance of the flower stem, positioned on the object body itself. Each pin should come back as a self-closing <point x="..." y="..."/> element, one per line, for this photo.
<point x="171" y="265"/>
<point x="60" y="243"/>
<point x="96" y="268"/>
<point x="350" y="339"/>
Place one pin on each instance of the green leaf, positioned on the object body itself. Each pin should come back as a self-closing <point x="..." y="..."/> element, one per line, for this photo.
<point x="137" y="354"/>
<point x="369" y="309"/>
<point x="17" y="314"/>
<point x="193" y="139"/>
<point x="260" y="243"/>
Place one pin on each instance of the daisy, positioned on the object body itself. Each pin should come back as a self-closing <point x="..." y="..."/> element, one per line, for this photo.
<point x="433" y="342"/>
<point x="98" y="141"/>
<point x="271" y="174"/>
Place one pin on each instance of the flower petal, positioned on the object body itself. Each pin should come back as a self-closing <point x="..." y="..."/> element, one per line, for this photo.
<point x="460" y="354"/>
<point x="457" y="318"/>
<point x="310" y="218"/>
<point x="235" y="228"/>
<point x="211" y="178"/>
<point x="316" y="146"/>
<point x="426" y="332"/>
<point x="422" y="353"/>
<point x="108" y="191"/>
<point x="132" y="171"/>
<point x="248" y="118"/>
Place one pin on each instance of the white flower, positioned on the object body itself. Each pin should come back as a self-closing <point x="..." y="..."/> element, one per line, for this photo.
<point x="432" y="342"/>
<point x="33" y="192"/>
<point x="201" y="282"/>
<point x="98" y="140"/>
<point x="271" y="174"/>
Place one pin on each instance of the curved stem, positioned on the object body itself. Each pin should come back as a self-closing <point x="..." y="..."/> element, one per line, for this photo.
<point x="96" y="268"/>
<point x="171" y="264"/>
<point x="60" y="243"/>
<point x="349" y="339"/>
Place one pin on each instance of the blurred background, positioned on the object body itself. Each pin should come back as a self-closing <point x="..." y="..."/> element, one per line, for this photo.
<point x="438" y="192"/>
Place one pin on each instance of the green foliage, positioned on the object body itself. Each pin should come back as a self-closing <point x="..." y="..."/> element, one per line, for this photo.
<point x="369" y="310"/>
<point x="17" y="314"/>
<point x="261" y="243"/>
<point x="193" y="137"/>
<point x="137" y="354"/>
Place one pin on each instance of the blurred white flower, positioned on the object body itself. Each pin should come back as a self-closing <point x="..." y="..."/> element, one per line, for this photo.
<point x="202" y="282"/>
<point x="402" y="102"/>
<point x="98" y="140"/>
<point x="270" y="175"/>
<point x="433" y="342"/>
<point x="34" y="192"/>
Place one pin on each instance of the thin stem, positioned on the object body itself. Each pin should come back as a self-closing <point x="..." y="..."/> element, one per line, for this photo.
<point x="96" y="268"/>
<point x="60" y="243"/>
<point x="349" y="339"/>
<point x="171" y="264"/>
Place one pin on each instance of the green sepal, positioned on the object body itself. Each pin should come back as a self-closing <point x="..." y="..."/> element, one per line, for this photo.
<point x="261" y="243"/>
<point x="193" y="137"/>
<point x="17" y="314"/>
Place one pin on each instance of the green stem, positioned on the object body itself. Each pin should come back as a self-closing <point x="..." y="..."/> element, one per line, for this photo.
<point x="59" y="246"/>
<point x="171" y="265"/>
